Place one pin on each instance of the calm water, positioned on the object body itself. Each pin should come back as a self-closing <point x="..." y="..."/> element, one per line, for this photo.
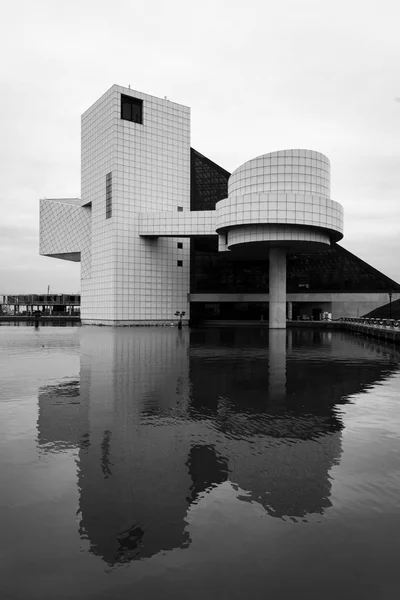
<point x="152" y="463"/>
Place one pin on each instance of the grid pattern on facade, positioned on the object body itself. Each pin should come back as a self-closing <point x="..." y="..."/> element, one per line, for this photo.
<point x="200" y="222"/>
<point x="65" y="231"/>
<point x="282" y="208"/>
<point x="132" y="278"/>
<point x="293" y="171"/>
<point x="271" y="233"/>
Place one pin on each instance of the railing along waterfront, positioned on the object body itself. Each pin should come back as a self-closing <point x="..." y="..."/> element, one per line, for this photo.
<point x="388" y="323"/>
<point x="388" y="329"/>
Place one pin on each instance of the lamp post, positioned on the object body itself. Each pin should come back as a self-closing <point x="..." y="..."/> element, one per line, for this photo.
<point x="180" y="314"/>
<point x="390" y="304"/>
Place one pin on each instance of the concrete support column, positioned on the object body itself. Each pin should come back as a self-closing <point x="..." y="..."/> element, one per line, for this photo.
<point x="277" y="288"/>
<point x="289" y="311"/>
<point x="223" y="242"/>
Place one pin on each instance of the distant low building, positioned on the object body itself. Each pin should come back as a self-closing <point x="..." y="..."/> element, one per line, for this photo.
<point x="46" y="304"/>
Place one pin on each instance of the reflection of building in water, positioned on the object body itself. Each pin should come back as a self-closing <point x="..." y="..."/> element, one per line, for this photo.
<point x="281" y="455"/>
<point x="133" y="478"/>
<point x="61" y="421"/>
<point x="277" y="364"/>
<point x="206" y="469"/>
<point x="164" y="415"/>
<point x="279" y="451"/>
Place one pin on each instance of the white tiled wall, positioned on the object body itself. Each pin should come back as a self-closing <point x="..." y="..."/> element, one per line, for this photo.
<point x="65" y="231"/>
<point x="199" y="222"/>
<point x="274" y="208"/>
<point x="135" y="278"/>
<point x="280" y="233"/>
<point x="289" y="189"/>
<point x="292" y="171"/>
<point x="98" y="157"/>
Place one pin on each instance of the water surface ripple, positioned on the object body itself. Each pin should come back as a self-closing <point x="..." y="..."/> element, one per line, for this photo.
<point x="231" y="463"/>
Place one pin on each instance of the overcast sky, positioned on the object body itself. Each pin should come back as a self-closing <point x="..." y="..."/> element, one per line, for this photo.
<point x="259" y="76"/>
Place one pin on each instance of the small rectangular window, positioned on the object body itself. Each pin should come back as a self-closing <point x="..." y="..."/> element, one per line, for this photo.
<point x="179" y="263"/>
<point x="180" y="245"/>
<point x="180" y="208"/>
<point x="108" y="195"/>
<point x="131" y="109"/>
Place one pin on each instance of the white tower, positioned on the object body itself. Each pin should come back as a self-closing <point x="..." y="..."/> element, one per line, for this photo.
<point x="135" y="159"/>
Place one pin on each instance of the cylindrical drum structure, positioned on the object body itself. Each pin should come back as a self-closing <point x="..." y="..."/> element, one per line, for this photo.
<point x="287" y="171"/>
<point x="282" y="201"/>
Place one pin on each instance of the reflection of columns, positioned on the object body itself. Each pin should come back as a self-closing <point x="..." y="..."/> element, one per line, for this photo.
<point x="277" y="366"/>
<point x="289" y="340"/>
<point x="277" y="288"/>
<point x="289" y="311"/>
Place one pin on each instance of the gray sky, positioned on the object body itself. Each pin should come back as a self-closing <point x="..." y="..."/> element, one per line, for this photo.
<point x="259" y="76"/>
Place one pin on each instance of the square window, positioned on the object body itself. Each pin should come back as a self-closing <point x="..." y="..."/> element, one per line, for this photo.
<point x="131" y="109"/>
<point x="180" y="245"/>
<point x="179" y="263"/>
<point x="180" y="208"/>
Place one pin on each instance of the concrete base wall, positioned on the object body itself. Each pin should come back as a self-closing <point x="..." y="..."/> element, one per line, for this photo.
<point x="306" y="308"/>
<point x="144" y="323"/>
<point x="341" y="304"/>
<point x="359" y="308"/>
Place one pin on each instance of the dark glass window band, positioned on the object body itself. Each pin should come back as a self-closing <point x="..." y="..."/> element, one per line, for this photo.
<point x="108" y="195"/>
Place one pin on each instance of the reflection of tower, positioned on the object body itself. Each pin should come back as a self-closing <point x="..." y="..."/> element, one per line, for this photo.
<point x="140" y="470"/>
<point x="206" y="469"/>
<point x="133" y="477"/>
<point x="62" y="419"/>
<point x="277" y="366"/>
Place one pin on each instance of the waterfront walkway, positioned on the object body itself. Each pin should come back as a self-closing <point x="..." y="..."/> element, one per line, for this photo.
<point x="385" y="329"/>
<point x="42" y="318"/>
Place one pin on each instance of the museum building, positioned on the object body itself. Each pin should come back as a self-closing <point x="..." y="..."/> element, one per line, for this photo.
<point x="161" y="230"/>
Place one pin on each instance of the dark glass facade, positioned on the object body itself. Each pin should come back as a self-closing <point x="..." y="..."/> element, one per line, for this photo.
<point x="208" y="182"/>
<point x="333" y="269"/>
